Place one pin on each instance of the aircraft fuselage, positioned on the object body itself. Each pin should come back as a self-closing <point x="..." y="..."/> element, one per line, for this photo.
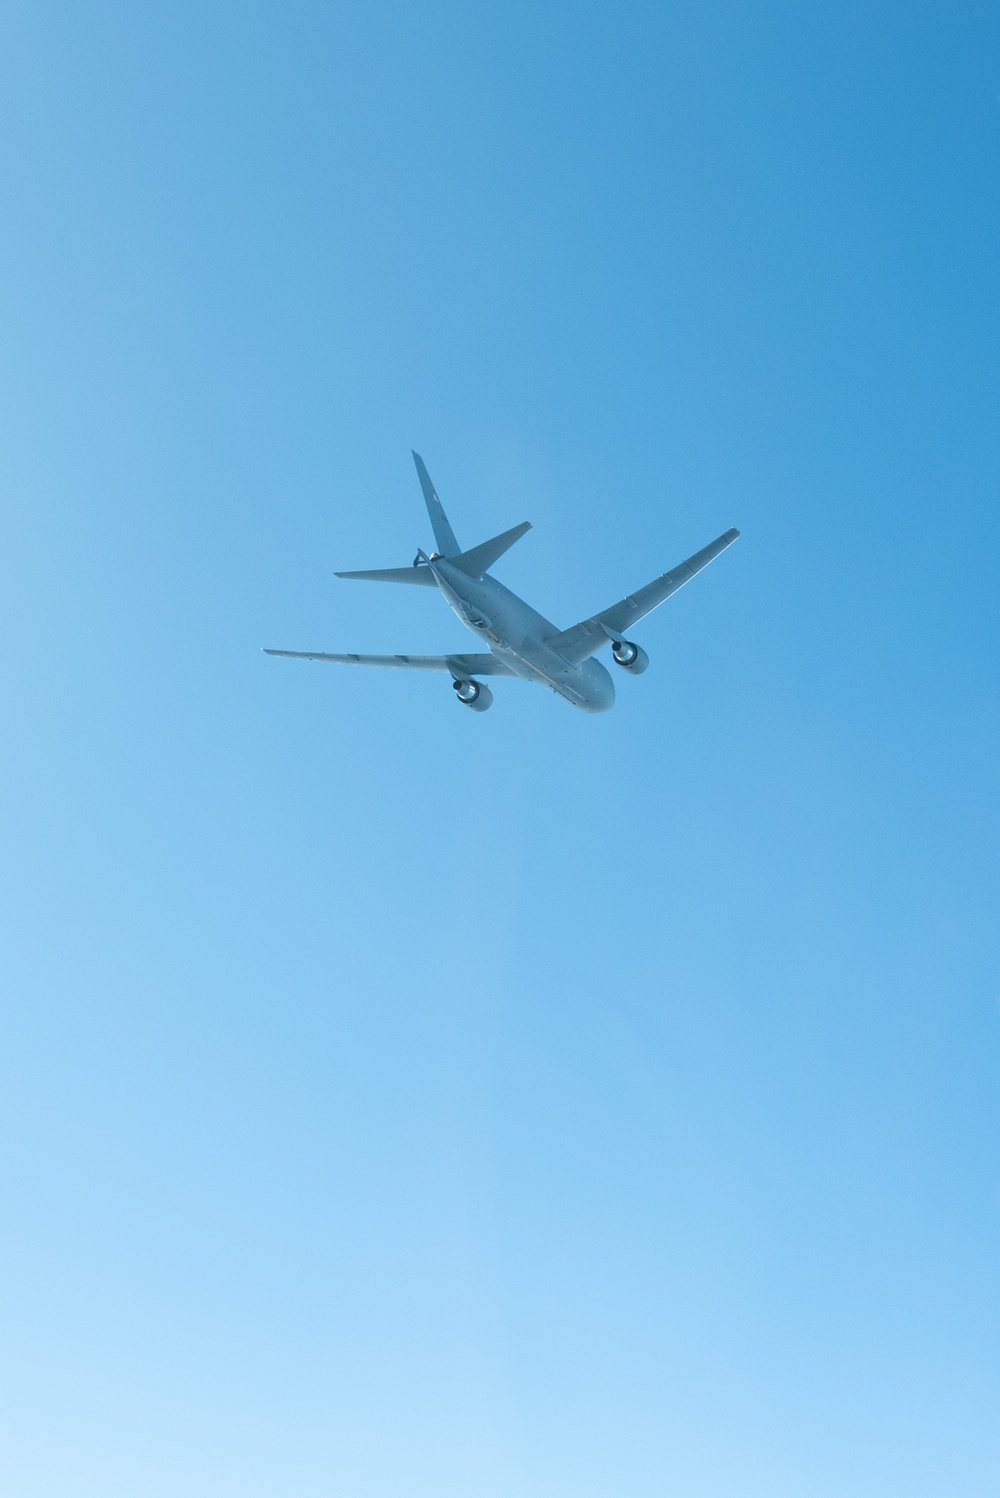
<point x="516" y="634"/>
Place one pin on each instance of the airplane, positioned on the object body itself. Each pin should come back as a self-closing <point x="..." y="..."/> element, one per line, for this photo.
<point x="519" y="641"/>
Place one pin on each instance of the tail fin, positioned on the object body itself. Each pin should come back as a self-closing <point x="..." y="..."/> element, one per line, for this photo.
<point x="481" y="558"/>
<point x="443" y="533"/>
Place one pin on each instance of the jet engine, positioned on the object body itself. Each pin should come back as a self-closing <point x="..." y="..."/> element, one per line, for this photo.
<point x="631" y="658"/>
<point x="474" y="694"/>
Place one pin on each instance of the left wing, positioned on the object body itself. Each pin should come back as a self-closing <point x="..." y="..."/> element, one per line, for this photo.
<point x="579" y="643"/>
<point x="460" y="666"/>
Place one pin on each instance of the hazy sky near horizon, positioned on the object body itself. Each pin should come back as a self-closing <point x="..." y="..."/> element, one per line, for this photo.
<point x="397" y="1101"/>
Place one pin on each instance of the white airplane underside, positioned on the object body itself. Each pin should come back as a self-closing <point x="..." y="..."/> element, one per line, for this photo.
<point x="518" y="641"/>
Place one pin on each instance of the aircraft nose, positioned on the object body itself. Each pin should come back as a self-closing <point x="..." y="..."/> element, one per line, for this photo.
<point x="600" y="688"/>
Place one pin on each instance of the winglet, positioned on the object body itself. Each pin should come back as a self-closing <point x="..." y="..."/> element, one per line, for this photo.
<point x="443" y="533"/>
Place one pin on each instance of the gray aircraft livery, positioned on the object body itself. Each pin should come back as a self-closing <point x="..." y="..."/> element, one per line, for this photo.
<point x="520" y="642"/>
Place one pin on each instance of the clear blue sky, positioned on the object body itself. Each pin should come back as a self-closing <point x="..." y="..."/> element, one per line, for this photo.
<point x="399" y="1103"/>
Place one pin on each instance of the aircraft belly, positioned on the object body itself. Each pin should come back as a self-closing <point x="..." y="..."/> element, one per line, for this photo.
<point x="587" y="687"/>
<point x="516" y="635"/>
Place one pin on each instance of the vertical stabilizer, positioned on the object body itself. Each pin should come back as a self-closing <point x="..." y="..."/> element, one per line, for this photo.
<point x="443" y="533"/>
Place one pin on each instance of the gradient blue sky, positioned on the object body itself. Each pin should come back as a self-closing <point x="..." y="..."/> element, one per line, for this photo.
<point x="399" y="1102"/>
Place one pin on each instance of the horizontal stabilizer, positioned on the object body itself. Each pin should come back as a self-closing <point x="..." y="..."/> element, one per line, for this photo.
<point x="481" y="558"/>
<point x="422" y="576"/>
<point x="460" y="666"/>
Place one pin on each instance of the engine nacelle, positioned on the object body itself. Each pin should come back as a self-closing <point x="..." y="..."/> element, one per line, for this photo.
<point x="474" y="694"/>
<point x="631" y="658"/>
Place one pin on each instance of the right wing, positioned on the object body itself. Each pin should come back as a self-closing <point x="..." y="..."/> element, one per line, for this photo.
<point x="579" y="643"/>
<point x="460" y="666"/>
